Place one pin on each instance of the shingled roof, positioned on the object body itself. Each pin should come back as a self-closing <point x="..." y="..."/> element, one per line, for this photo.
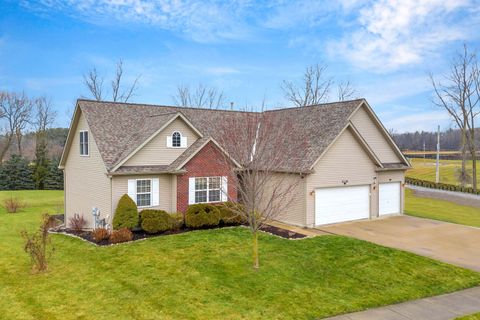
<point x="120" y="128"/>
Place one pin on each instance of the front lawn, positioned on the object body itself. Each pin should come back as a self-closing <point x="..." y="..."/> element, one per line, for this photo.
<point x="475" y="316"/>
<point x="441" y="210"/>
<point x="208" y="275"/>
<point x="425" y="169"/>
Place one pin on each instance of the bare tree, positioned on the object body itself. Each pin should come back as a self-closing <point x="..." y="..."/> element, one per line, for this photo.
<point x="95" y="85"/>
<point x="314" y="88"/>
<point x="346" y="91"/>
<point x="201" y="97"/>
<point x="257" y="141"/>
<point x="459" y="97"/>
<point x="17" y="110"/>
<point x="44" y="114"/>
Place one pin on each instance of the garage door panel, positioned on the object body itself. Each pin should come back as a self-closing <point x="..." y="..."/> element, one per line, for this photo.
<point x="340" y="204"/>
<point x="389" y="198"/>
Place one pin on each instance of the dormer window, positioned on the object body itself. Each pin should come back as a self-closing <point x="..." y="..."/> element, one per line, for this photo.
<point x="176" y="140"/>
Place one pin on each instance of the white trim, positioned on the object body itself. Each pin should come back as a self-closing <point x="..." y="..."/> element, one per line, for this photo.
<point x="88" y="143"/>
<point x="192" y="187"/>
<point x="182" y="139"/>
<point x="178" y="115"/>
<point x="68" y="142"/>
<point x="151" y="192"/>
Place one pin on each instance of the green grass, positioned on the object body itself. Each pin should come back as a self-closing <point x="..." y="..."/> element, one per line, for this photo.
<point x="425" y="169"/>
<point x="441" y="210"/>
<point x="208" y="275"/>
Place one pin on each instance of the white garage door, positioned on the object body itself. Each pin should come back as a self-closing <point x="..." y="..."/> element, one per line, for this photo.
<point x="341" y="204"/>
<point x="389" y="198"/>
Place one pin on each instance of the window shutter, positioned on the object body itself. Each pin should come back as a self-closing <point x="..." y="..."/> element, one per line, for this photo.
<point x="155" y="192"/>
<point x="169" y="141"/>
<point x="183" y="143"/>
<point x="224" y="189"/>
<point x="132" y="189"/>
<point x="191" y="190"/>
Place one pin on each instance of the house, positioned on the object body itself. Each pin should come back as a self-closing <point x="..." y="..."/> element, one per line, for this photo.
<point x="164" y="157"/>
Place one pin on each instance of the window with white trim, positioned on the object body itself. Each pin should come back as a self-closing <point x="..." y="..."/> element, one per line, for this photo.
<point x="176" y="139"/>
<point x="84" y="143"/>
<point x="207" y="189"/>
<point x="144" y="193"/>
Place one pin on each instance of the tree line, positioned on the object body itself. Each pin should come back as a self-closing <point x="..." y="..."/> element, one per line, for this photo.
<point x="24" y="117"/>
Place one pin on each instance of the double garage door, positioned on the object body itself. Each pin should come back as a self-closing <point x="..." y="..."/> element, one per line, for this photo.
<point x="340" y="204"/>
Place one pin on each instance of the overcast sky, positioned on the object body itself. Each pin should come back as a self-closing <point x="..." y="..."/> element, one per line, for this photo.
<point x="385" y="48"/>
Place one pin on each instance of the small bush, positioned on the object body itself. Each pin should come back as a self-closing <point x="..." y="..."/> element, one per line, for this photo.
<point x="121" y="235"/>
<point x="202" y="215"/>
<point x="100" y="234"/>
<point x="126" y="214"/>
<point x="13" y="205"/>
<point x="179" y="220"/>
<point x="77" y="222"/>
<point x="228" y="214"/>
<point x="154" y="221"/>
<point x="38" y="245"/>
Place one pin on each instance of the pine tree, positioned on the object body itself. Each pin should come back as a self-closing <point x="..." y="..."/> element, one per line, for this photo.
<point x="16" y="174"/>
<point x="54" y="177"/>
<point x="41" y="161"/>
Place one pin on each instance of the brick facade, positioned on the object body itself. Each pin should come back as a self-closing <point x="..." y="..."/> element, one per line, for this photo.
<point x="208" y="162"/>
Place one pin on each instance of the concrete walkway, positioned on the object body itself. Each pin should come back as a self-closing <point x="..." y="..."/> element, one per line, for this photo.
<point x="444" y="307"/>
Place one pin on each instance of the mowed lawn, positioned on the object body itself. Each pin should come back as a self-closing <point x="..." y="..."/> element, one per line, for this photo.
<point x="425" y="169"/>
<point x="208" y="275"/>
<point x="441" y="210"/>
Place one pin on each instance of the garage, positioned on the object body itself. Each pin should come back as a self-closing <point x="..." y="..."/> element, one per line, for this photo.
<point x="389" y="198"/>
<point x="339" y="204"/>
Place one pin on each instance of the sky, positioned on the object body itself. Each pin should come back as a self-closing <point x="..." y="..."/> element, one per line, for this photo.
<point x="246" y="48"/>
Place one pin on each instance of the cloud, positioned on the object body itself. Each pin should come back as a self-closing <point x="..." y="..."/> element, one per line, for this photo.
<point x="427" y="121"/>
<point x="203" y="21"/>
<point x="390" y="34"/>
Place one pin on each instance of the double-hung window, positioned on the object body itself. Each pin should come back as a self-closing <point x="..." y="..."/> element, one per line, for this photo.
<point x="144" y="193"/>
<point x="208" y="189"/>
<point x="84" y="143"/>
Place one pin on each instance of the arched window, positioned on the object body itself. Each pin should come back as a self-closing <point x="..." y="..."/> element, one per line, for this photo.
<point x="176" y="139"/>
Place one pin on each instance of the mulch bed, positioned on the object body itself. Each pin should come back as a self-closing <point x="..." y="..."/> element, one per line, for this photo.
<point x="139" y="235"/>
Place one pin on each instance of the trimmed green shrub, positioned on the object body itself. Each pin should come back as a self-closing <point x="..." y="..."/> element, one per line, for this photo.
<point x="179" y="220"/>
<point x="154" y="221"/>
<point x="126" y="214"/>
<point x="228" y="215"/>
<point x="202" y="215"/>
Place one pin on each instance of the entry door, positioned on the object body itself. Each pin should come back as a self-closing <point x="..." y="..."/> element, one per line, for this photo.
<point x="390" y="195"/>
<point x="341" y="204"/>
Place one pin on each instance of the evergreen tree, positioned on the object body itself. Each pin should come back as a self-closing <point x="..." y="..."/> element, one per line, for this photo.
<point x="41" y="161"/>
<point x="16" y="174"/>
<point x="54" y="177"/>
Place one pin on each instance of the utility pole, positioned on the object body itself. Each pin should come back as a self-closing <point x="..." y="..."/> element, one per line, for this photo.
<point x="437" y="173"/>
<point x="424" y="150"/>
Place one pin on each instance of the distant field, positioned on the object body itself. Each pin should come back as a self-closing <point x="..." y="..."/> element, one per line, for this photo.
<point x="425" y="169"/>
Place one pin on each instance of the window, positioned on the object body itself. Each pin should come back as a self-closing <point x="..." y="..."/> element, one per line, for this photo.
<point x="207" y="189"/>
<point x="144" y="193"/>
<point x="176" y="139"/>
<point x="84" y="143"/>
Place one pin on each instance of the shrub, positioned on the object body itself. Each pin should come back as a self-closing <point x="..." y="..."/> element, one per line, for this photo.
<point x="100" y="234"/>
<point x="121" y="235"/>
<point x="126" y="214"/>
<point x="77" y="222"/>
<point x="228" y="214"/>
<point x="13" y="205"/>
<point x="202" y="215"/>
<point x="154" y="221"/>
<point x="38" y="245"/>
<point x="179" y="220"/>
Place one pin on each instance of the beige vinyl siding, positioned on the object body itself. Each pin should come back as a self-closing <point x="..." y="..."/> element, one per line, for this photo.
<point x="166" y="190"/>
<point x="394" y="176"/>
<point x="294" y="212"/>
<point x="155" y="152"/>
<point x="86" y="182"/>
<point x="373" y="135"/>
<point x="345" y="159"/>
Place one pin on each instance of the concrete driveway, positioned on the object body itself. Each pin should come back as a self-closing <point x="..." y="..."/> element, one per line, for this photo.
<point x="448" y="242"/>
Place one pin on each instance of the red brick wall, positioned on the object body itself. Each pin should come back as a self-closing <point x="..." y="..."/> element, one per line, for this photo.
<point x="208" y="162"/>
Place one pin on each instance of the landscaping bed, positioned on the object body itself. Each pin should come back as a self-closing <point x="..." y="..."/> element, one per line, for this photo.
<point x="140" y="234"/>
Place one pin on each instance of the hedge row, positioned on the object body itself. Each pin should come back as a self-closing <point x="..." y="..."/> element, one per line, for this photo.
<point x="441" y="186"/>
